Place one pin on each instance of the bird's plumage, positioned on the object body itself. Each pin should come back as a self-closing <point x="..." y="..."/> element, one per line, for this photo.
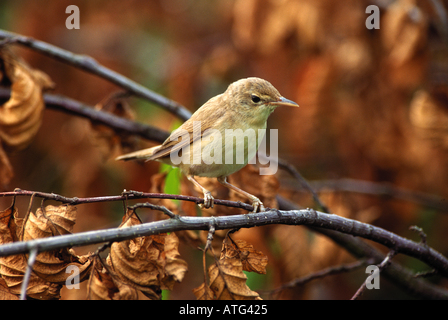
<point x="246" y="104"/>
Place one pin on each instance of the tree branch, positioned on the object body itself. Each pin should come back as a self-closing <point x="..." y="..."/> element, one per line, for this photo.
<point x="90" y="65"/>
<point x="397" y="274"/>
<point x="74" y="107"/>
<point x="308" y="217"/>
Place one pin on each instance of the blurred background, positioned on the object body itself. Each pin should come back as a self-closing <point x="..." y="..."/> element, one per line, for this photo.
<point x="373" y="107"/>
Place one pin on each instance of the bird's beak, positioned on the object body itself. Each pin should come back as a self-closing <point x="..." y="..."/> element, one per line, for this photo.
<point x="285" y="102"/>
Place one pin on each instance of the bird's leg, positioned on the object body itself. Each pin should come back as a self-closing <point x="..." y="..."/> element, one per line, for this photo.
<point x="256" y="203"/>
<point x="208" y="198"/>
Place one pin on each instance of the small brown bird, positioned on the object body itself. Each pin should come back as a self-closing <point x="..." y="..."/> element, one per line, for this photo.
<point x="207" y="147"/>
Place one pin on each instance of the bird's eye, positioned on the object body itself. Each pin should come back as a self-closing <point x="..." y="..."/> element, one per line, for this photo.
<point x="255" y="98"/>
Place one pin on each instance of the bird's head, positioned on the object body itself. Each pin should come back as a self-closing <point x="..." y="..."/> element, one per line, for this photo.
<point x="255" y="97"/>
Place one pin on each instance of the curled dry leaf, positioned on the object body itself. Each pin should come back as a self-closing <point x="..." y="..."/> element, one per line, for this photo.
<point x="106" y="285"/>
<point x="21" y="115"/>
<point x="228" y="282"/>
<point x="149" y="263"/>
<point x="12" y="268"/>
<point x="252" y="260"/>
<point x="203" y="292"/>
<point x="52" y="265"/>
<point x="5" y="293"/>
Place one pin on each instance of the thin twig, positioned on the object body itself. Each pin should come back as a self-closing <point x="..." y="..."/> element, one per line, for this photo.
<point x="90" y="65"/>
<point x="321" y="274"/>
<point x="27" y="276"/>
<point x="420" y="232"/>
<point x="127" y="195"/>
<point x="154" y="207"/>
<point x="381" y="267"/>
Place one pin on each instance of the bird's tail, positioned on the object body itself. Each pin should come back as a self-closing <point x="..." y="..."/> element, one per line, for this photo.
<point x="140" y="154"/>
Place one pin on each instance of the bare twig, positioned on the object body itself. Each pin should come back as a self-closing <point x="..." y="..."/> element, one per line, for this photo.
<point x="90" y="65"/>
<point x="127" y="195"/>
<point x="154" y="207"/>
<point x="321" y="274"/>
<point x="420" y="232"/>
<point x="381" y="189"/>
<point x="29" y="269"/>
<point x="381" y="267"/>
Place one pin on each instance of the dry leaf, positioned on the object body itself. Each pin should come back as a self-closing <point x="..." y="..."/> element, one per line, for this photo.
<point x="104" y="286"/>
<point x="252" y="260"/>
<point x="5" y="293"/>
<point x="149" y="263"/>
<point x="12" y="268"/>
<point x="203" y="292"/>
<point x="52" y="265"/>
<point x="21" y="115"/>
<point x="228" y="282"/>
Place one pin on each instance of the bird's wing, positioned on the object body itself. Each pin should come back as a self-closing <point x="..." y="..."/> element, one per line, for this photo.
<point x="200" y="121"/>
<point x="172" y="144"/>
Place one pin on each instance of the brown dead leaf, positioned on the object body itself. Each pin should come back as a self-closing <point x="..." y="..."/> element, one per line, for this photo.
<point x="149" y="263"/>
<point x="203" y="292"/>
<point x="228" y="282"/>
<point x="52" y="265"/>
<point x="252" y="260"/>
<point x="12" y="268"/>
<point x="5" y="293"/>
<point x="106" y="285"/>
<point x="21" y="115"/>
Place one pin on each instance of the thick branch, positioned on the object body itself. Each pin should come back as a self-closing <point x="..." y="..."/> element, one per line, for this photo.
<point x="396" y="273"/>
<point x="307" y="217"/>
<point x="90" y="65"/>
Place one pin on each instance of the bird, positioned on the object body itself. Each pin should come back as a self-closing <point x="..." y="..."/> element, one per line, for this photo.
<point x="205" y="149"/>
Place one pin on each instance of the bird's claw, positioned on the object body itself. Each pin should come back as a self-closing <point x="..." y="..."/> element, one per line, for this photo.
<point x="208" y="201"/>
<point x="258" y="205"/>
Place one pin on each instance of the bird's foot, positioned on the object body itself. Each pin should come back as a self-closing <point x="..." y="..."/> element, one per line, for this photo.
<point x="208" y="201"/>
<point x="258" y="205"/>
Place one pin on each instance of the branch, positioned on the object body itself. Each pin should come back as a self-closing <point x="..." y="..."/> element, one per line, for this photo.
<point x="397" y="274"/>
<point x="382" y="189"/>
<point x="90" y="65"/>
<point x="321" y="274"/>
<point x="381" y="267"/>
<point x="74" y="107"/>
<point x="307" y="217"/>
<point x="127" y="195"/>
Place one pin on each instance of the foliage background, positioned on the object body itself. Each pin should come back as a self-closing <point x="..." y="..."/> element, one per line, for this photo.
<point x="373" y="106"/>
